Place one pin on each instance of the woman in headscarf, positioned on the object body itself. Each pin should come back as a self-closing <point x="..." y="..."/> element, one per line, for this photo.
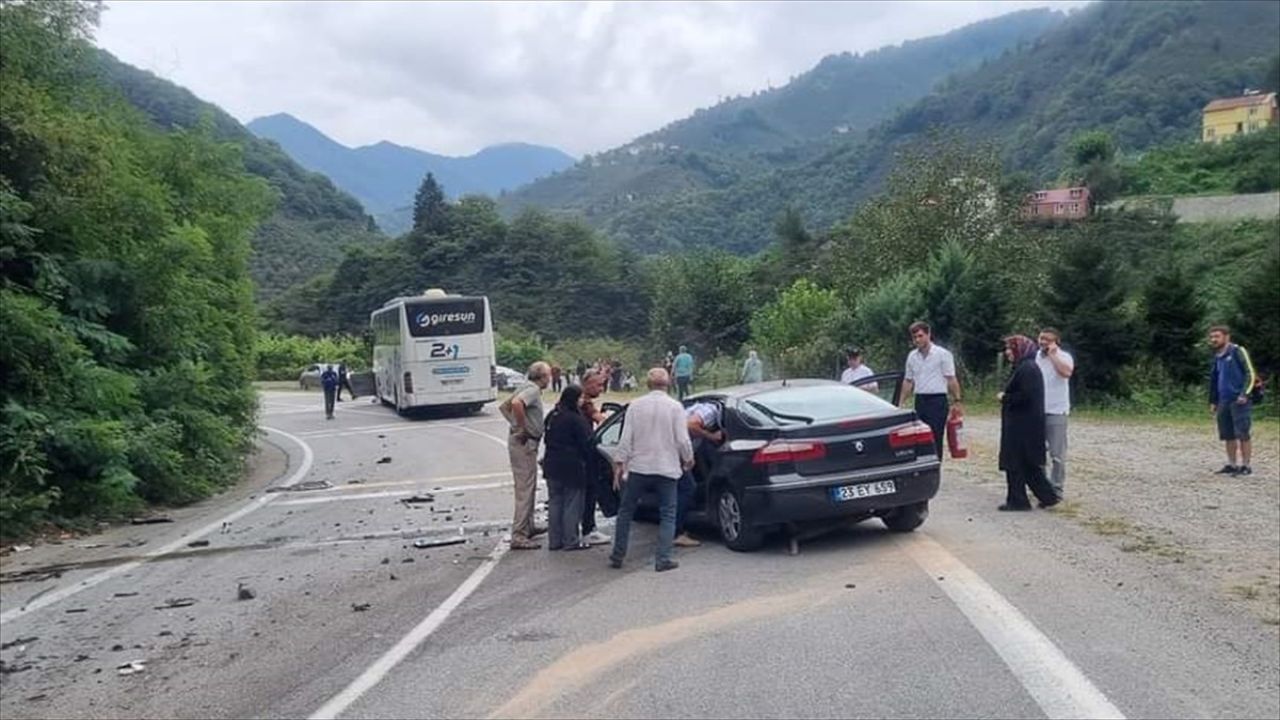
<point x="752" y="369"/>
<point x="1022" y="448"/>
<point x="565" y="464"/>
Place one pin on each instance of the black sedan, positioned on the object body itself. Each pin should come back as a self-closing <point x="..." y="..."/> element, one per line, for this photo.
<point x="805" y="451"/>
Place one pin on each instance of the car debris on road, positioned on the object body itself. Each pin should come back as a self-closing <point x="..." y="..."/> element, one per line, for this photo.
<point x="176" y="603"/>
<point x="438" y="542"/>
<point x="132" y="667"/>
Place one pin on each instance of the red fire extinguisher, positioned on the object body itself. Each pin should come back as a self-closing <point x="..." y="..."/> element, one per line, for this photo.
<point x="957" y="443"/>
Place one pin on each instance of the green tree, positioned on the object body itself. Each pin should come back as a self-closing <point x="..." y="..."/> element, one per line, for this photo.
<point x="430" y="211"/>
<point x="1173" y="313"/>
<point x="1257" y="320"/>
<point x="801" y="331"/>
<point x="1085" y="299"/>
<point x="702" y="299"/>
<point x="883" y="315"/>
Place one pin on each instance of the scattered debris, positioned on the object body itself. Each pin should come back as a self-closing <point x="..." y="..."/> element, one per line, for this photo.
<point x="6" y="668"/>
<point x="244" y="592"/>
<point x="73" y="611"/>
<point x="90" y="546"/>
<point x="385" y="561"/>
<point x="132" y="667"/>
<point x="407" y="560"/>
<point x="198" y="543"/>
<point x="382" y="437"/>
<point x="226" y="528"/>
<point x="357" y="481"/>
<point x="393" y="576"/>
<point x="37" y="698"/>
<point x="117" y="648"/>
<point x="384" y="460"/>
<point x="360" y="607"/>
<point x="125" y="594"/>
<point x="849" y="586"/>
<point x="20" y="548"/>
<point x="422" y="498"/>
<point x="19" y="641"/>
<point x="82" y="658"/>
<point x="301" y="487"/>
<point x="154" y="520"/>
<point x="171" y="603"/>
<point x="164" y="633"/>
<point x="438" y="542"/>
<point x="941" y="577"/>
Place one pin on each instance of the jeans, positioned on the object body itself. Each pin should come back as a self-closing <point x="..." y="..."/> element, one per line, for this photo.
<point x="637" y="484"/>
<point x="328" y="401"/>
<point x="1055" y="433"/>
<point x="932" y="411"/>
<point x="564" y="508"/>
<point x="685" y="489"/>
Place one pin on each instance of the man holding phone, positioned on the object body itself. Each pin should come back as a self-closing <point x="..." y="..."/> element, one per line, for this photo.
<point x="1056" y="365"/>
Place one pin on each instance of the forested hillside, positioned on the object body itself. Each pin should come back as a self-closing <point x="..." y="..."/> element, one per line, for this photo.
<point x="313" y="220"/>
<point x="1140" y="70"/>
<point x="385" y="175"/>
<point x="738" y="139"/>
<point x="125" y="295"/>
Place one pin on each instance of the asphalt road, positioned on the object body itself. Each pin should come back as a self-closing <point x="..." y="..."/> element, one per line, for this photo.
<point x="977" y="614"/>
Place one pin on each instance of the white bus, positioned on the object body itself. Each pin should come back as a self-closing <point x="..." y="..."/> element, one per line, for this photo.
<point x="433" y="350"/>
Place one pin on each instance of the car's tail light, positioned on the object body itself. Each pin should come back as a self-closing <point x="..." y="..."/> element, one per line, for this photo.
<point x="789" y="451"/>
<point x="408" y="384"/>
<point x="917" y="433"/>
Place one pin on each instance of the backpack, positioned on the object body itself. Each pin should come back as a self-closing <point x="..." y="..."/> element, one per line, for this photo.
<point x="1256" y="395"/>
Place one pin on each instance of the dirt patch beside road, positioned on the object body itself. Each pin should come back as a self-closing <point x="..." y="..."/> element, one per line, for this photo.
<point x="1151" y="490"/>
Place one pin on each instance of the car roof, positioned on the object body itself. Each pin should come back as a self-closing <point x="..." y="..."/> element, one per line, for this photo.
<point x="737" y="392"/>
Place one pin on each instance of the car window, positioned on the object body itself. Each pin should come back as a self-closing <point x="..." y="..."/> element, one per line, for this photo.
<point x="611" y="433"/>
<point x="818" y="402"/>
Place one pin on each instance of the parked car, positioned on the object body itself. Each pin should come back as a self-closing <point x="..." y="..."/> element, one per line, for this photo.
<point x="800" y="452"/>
<point x="506" y="378"/>
<point x="310" y="378"/>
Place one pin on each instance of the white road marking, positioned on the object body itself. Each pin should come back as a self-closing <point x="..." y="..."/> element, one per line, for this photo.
<point x="401" y="427"/>
<point x="495" y="438"/>
<point x="419" y="481"/>
<point x="1053" y="681"/>
<point x="65" y="592"/>
<point x="393" y="493"/>
<point x="383" y="665"/>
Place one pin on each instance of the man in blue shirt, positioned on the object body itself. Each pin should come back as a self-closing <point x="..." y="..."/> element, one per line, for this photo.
<point x="683" y="369"/>
<point x="1230" y="383"/>
<point x="329" y="381"/>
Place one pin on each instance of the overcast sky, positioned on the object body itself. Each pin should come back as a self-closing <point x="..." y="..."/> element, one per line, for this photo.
<point x="455" y="77"/>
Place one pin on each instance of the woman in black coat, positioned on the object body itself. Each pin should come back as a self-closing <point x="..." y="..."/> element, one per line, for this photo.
<point x="565" y="464"/>
<point x="1022" y="448"/>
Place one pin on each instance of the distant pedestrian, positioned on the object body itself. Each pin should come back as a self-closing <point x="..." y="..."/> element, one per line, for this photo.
<point x="682" y="366"/>
<point x="1056" y="365"/>
<point x="752" y="369"/>
<point x="1022" y="427"/>
<point x="615" y="376"/>
<point x="523" y="411"/>
<point x="856" y="370"/>
<point x="652" y="453"/>
<point x="1231" y="385"/>
<point x="329" y="381"/>
<point x="592" y="388"/>
<point x="557" y="383"/>
<point x="668" y="364"/>
<point x="344" y="382"/>
<point x="581" y="368"/>
<point x="569" y="455"/>
<point x="930" y="376"/>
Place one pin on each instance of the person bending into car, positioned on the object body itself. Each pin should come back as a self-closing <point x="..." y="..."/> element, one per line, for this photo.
<point x="1022" y="431"/>
<point x="652" y="454"/>
<point x="568" y="456"/>
<point x="703" y="421"/>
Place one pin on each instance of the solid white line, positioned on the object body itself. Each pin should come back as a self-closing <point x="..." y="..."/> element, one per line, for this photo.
<point x="401" y="427"/>
<point x="419" y="481"/>
<point x="63" y="593"/>
<point x="1053" y="681"/>
<point x="383" y="665"/>
<point x="495" y="438"/>
<point x="393" y="493"/>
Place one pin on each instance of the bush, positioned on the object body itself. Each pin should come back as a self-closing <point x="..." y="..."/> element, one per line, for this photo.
<point x="283" y="357"/>
<point x="802" y="331"/>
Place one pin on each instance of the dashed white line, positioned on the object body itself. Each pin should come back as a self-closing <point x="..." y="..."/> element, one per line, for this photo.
<point x="1052" y="680"/>
<point x="383" y="665"/>
<point x="65" y="592"/>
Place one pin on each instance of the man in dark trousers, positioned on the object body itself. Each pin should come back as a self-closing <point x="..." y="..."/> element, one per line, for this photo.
<point x="592" y="387"/>
<point x="329" y="381"/>
<point x="1231" y="383"/>
<point x="344" y="382"/>
<point x="931" y="376"/>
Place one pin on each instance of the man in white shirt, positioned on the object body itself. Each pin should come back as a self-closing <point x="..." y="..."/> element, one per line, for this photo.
<point x="652" y="453"/>
<point x="930" y="376"/>
<point x="1056" y="365"/>
<point x="857" y="370"/>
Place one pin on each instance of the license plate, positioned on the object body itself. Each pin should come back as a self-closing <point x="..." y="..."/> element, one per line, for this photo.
<point x="864" y="490"/>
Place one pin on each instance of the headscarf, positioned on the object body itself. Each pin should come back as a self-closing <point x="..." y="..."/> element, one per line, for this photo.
<point x="569" y="399"/>
<point x="1024" y="348"/>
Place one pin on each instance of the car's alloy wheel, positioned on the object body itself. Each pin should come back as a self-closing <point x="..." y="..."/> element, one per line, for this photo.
<point x="735" y="527"/>
<point x="730" y="516"/>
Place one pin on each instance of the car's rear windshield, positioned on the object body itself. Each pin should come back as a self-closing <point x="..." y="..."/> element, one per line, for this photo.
<point x="819" y="403"/>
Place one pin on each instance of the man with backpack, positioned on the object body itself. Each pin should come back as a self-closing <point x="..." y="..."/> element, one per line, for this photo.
<point x="329" y="381"/>
<point x="1233" y="390"/>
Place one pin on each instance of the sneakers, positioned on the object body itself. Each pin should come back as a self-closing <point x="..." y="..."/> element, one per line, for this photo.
<point x="615" y="563"/>
<point x="595" y="537"/>
<point x="524" y="545"/>
<point x="1227" y="470"/>
<point x="665" y="566"/>
<point x="685" y="541"/>
<point x="1243" y="471"/>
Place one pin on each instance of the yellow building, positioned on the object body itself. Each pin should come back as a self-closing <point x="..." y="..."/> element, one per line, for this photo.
<point x="1228" y="117"/>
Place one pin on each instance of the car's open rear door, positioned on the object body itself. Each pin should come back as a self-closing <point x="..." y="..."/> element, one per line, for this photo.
<point x="606" y="441"/>
<point x="886" y="386"/>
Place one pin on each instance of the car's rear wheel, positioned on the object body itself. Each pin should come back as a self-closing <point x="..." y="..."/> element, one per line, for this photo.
<point x="907" y="517"/>
<point x="735" y="527"/>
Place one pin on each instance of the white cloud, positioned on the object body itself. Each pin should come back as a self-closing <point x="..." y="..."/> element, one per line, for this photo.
<point x="454" y="77"/>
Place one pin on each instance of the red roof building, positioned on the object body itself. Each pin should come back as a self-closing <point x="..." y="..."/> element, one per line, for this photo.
<point x="1071" y="203"/>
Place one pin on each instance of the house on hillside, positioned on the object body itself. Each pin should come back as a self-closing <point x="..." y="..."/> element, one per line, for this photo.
<point x="1228" y="117"/>
<point x="1071" y="203"/>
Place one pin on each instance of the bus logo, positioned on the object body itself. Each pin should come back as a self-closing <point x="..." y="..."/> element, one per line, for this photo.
<point x="441" y="350"/>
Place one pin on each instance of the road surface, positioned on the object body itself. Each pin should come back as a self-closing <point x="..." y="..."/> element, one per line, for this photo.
<point x="977" y="614"/>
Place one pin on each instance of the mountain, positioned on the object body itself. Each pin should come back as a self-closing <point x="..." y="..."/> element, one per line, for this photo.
<point x="716" y="148"/>
<point x="1139" y="70"/>
<point x="313" y="221"/>
<point x="385" y="176"/>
